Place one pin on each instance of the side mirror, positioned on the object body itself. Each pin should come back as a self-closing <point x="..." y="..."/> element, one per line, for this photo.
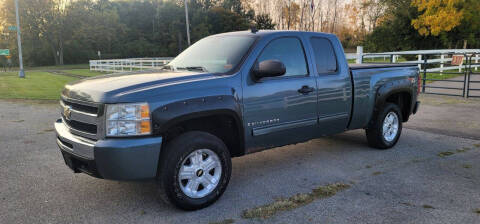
<point x="269" y="68"/>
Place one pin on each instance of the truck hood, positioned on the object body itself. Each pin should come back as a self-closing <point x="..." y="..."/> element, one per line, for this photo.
<point x="102" y="89"/>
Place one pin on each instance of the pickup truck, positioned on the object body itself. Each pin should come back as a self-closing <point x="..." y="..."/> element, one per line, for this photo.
<point x="225" y="96"/>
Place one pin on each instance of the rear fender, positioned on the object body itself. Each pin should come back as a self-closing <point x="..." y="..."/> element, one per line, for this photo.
<point x="393" y="87"/>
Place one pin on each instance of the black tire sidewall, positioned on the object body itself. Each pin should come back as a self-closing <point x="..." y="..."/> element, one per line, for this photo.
<point x="390" y="108"/>
<point x="176" y="152"/>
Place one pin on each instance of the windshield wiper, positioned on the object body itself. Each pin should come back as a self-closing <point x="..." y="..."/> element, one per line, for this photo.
<point x="192" y="68"/>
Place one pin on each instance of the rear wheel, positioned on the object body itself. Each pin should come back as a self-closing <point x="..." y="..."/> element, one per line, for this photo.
<point x="195" y="170"/>
<point x="385" y="130"/>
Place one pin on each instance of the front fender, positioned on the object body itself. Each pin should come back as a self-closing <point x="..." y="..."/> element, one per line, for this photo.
<point x="171" y="114"/>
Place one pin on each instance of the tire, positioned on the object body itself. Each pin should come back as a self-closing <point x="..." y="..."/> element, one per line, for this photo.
<point x="375" y="132"/>
<point x="191" y="153"/>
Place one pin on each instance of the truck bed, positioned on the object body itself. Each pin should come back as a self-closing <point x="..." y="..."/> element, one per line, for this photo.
<point x="378" y="65"/>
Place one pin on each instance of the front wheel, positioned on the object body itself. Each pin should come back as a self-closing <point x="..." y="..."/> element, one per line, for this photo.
<point x="386" y="127"/>
<point x="195" y="170"/>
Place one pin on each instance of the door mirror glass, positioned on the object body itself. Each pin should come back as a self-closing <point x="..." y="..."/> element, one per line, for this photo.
<point x="269" y="68"/>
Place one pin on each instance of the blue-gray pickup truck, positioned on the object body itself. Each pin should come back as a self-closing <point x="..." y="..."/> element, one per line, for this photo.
<point x="225" y="96"/>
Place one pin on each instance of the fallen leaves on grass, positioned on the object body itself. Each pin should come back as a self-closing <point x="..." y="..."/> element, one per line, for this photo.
<point x="407" y="204"/>
<point x="444" y="154"/>
<point x="449" y="153"/>
<point x="226" y="221"/>
<point x="464" y="149"/>
<point x="298" y="200"/>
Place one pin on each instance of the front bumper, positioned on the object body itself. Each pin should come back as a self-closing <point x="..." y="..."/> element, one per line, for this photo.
<point x="116" y="159"/>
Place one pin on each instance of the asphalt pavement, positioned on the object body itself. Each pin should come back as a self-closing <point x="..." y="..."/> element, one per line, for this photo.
<point x="431" y="176"/>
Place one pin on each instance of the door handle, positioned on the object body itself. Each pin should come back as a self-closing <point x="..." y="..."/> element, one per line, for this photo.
<point x="306" y="89"/>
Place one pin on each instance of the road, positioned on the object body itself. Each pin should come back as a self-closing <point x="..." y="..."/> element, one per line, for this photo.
<point x="415" y="182"/>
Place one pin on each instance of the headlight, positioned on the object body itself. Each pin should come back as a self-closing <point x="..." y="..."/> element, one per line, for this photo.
<point x="128" y="119"/>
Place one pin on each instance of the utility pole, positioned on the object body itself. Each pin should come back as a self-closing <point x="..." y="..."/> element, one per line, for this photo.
<point x="188" y="23"/>
<point x="21" y="73"/>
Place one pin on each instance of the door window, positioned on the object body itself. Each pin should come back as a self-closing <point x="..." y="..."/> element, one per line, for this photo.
<point x="290" y="52"/>
<point x="324" y="55"/>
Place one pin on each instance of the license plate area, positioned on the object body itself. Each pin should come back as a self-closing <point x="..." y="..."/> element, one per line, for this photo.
<point x="70" y="162"/>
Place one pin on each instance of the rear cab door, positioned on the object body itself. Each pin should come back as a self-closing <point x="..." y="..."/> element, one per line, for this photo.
<point x="334" y="84"/>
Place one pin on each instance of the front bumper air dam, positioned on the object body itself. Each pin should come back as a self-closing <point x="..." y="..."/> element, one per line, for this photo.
<point x="116" y="158"/>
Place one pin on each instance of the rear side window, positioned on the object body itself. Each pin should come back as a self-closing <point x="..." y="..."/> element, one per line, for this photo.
<point x="290" y="52"/>
<point x="325" y="58"/>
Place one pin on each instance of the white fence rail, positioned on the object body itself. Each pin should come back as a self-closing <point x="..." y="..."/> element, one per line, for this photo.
<point x="130" y="64"/>
<point x="439" y="60"/>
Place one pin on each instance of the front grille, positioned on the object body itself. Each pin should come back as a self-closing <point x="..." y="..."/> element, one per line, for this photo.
<point x="81" y="117"/>
<point x="80" y="126"/>
<point x="82" y="107"/>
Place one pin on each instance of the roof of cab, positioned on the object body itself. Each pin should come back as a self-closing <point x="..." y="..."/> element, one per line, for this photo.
<point x="266" y="33"/>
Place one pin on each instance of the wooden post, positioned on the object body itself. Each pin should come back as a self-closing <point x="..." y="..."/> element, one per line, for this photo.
<point x="442" y="57"/>
<point x="359" y="55"/>
<point x="476" y="62"/>
<point x="419" y="57"/>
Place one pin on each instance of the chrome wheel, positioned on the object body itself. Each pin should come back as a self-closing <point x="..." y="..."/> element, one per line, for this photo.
<point x="200" y="173"/>
<point x="390" y="126"/>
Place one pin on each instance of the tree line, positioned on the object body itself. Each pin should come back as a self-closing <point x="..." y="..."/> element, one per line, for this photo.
<point x="74" y="31"/>
<point x="426" y="24"/>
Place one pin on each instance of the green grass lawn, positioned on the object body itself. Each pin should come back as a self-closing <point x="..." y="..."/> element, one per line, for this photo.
<point x="36" y="86"/>
<point x="441" y="76"/>
<point x="40" y="83"/>
<point x="58" y="67"/>
<point x="84" y="72"/>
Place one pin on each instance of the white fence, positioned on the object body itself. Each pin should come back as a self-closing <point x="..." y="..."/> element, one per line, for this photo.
<point x="439" y="60"/>
<point x="130" y="64"/>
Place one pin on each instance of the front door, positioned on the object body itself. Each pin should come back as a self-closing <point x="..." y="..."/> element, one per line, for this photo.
<point x="281" y="110"/>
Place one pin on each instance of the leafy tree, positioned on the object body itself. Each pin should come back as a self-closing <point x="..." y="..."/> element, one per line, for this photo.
<point x="438" y="16"/>
<point x="73" y="31"/>
<point x="446" y="17"/>
<point x="264" y="22"/>
<point x="395" y="32"/>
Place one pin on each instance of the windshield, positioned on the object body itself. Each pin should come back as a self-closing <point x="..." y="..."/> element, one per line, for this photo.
<point x="216" y="54"/>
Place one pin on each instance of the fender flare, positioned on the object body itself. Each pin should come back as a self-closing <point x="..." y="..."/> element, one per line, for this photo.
<point x="167" y="116"/>
<point x="390" y="88"/>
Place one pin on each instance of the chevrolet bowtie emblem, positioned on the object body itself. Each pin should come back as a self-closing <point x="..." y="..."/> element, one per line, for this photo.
<point x="67" y="112"/>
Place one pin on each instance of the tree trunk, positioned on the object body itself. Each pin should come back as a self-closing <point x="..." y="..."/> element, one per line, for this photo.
<point x="334" y="17"/>
<point x="54" y="51"/>
<point x="60" y="50"/>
